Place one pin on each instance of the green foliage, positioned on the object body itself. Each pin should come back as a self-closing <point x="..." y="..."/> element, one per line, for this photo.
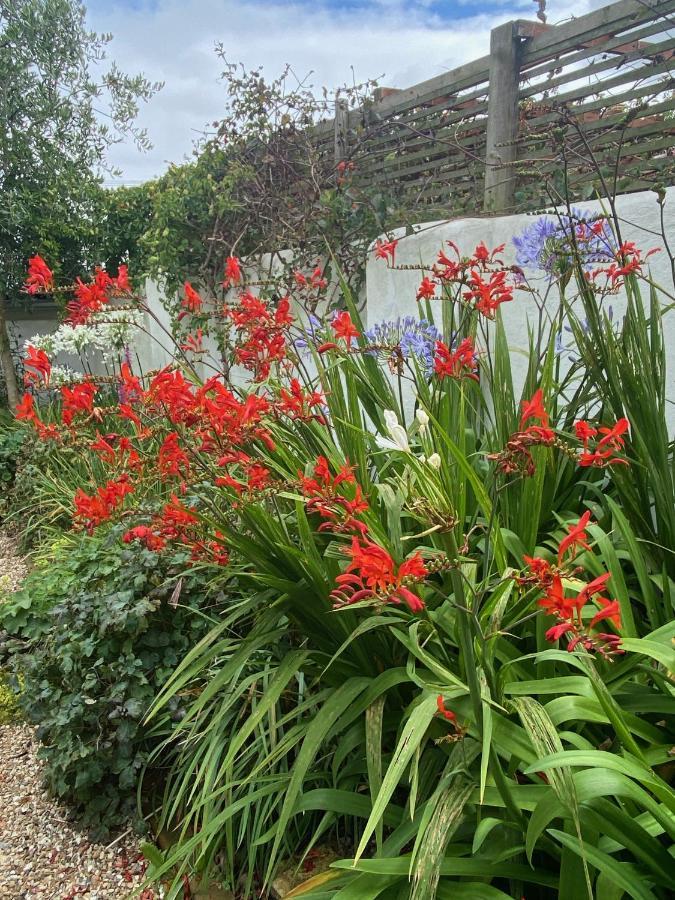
<point x="11" y="443"/>
<point x="54" y="137"/>
<point x="260" y="183"/>
<point x="54" y="140"/>
<point x="98" y="628"/>
<point x="10" y="712"/>
<point x="557" y="783"/>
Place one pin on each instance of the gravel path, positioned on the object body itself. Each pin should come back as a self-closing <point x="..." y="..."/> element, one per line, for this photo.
<point x="42" y="854"/>
<point x="12" y="567"/>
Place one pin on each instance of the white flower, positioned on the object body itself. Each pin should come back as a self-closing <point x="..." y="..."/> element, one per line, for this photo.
<point x="399" y="436"/>
<point x="434" y="461"/>
<point x="423" y="419"/>
<point x="64" y="375"/>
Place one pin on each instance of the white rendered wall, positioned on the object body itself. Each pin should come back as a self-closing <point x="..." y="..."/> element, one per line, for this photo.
<point x="391" y="292"/>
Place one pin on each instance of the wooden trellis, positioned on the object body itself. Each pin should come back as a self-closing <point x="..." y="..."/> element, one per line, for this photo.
<point x="588" y="105"/>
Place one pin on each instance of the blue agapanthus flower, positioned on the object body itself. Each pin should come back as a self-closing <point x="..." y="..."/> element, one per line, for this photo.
<point x="416" y="338"/>
<point x="547" y="243"/>
<point x="313" y="327"/>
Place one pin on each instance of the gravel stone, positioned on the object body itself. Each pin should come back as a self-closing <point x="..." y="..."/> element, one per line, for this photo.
<point x="13" y="569"/>
<point x="42" y="854"/>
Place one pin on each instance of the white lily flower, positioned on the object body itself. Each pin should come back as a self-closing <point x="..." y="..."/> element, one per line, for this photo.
<point x="399" y="436"/>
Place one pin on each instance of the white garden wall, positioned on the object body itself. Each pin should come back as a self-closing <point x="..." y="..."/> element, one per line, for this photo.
<point x="391" y="292"/>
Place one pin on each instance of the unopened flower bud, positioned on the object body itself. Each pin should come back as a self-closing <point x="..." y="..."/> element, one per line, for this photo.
<point x="434" y="461"/>
<point x="423" y="419"/>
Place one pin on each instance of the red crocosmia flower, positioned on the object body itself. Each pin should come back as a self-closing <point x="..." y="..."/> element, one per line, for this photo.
<point x="629" y="261"/>
<point x="76" y="400"/>
<point x="229" y="481"/>
<point x="126" y="412"/>
<point x="584" y="431"/>
<point x="613" y="437"/>
<point x="610" y="441"/>
<point x="103" y="447"/>
<point x="596" y="586"/>
<point x="131" y="389"/>
<point x="258" y="477"/>
<point x="447" y="714"/>
<point x="89" y="298"/>
<point x="25" y="410"/>
<point x="540" y="572"/>
<point x="122" y="281"/>
<point x="448" y="269"/>
<point x="372" y="574"/>
<point x="232" y="271"/>
<point x="557" y="631"/>
<point x="343" y="327"/>
<point x="339" y="512"/>
<point x="426" y="290"/>
<point x="460" y="363"/>
<point x="483" y="256"/>
<point x="534" y="409"/>
<point x="211" y="551"/>
<point x="300" y="405"/>
<point x="282" y="314"/>
<point x="193" y="342"/>
<point x="40" y="278"/>
<point x="146" y="536"/>
<point x="576" y="538"/>
<point x="260" y="333"/>
<point x="385" y="250"/>
<point x="611" y="611"/>
<point x="191" y="302"/>
<point x="488" y="295"/>
<point x="172" y="460"/>
<point x="318" y="281"/>
<point x="175" y="520"/>
<point x="555" y="602"/>
<point x="38" y="361"/>
<point x="90" y="511"/>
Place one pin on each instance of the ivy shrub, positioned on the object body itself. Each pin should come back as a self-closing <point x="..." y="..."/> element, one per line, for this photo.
<point x="93" y="635"/>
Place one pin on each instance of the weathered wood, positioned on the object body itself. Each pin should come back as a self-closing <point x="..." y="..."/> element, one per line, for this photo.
<point x="608" y="45"/>
<point x="502" y="123"/>
<point x="662" y="50"/>
<point x="447" y="82"/>
<point x="431" y="141"/>
<point x="341" y="124"/>
<point x="609" y="20"/>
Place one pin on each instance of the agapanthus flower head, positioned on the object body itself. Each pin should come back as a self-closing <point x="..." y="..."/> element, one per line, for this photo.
<point x="313" y="329"/>
<point x="414" y="338"/>
<point x="548" y="243"/>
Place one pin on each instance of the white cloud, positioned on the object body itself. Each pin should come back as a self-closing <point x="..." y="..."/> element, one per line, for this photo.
<point x="173" y="41"/>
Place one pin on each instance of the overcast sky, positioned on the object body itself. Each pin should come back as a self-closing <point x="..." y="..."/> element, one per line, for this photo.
<point x="173" y="41"/>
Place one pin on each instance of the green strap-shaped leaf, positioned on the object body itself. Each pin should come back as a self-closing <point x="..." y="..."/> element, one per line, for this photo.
<point x="413" y="734"/>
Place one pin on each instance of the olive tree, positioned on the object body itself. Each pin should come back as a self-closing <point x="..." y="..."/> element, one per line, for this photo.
<point x="62" y="105"/>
